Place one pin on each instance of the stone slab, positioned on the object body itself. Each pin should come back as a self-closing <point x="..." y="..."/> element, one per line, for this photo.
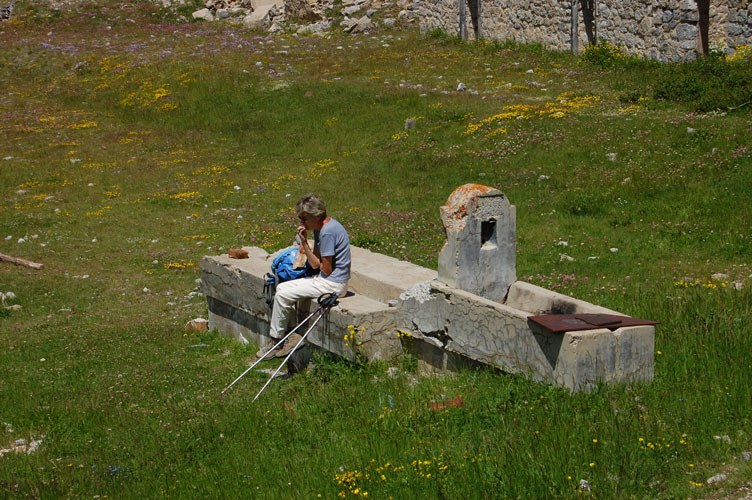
<point x="384" y="278"/>
<point x="237" y="305"/>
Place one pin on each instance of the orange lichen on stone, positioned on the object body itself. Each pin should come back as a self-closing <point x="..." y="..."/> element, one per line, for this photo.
<point x="454" y="213"/>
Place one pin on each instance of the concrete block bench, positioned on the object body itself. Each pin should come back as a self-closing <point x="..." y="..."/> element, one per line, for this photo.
<point x="237" y="305"/>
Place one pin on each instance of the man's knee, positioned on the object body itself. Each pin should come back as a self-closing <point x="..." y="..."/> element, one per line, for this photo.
<point x="288" y="292"/>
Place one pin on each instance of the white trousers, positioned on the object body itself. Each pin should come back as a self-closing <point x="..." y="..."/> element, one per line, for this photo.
<point x="290" y="292"/>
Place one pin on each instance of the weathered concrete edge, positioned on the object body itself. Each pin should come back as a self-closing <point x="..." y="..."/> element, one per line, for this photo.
<point x="498" y="335"/>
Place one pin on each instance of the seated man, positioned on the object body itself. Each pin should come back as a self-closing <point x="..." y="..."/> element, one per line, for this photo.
<point x="330" y="255"/>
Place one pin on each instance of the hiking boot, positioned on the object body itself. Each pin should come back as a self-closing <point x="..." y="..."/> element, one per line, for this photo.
<point x="268" y="352"/>
<point x="288" y="346"/>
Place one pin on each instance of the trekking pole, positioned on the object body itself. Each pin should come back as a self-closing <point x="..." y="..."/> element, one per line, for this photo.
<point x="326" y="302"/>
<point x="273" y="348"/>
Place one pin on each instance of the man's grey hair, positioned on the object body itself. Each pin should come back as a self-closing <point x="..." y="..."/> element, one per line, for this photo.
<point x="312" y="205"/>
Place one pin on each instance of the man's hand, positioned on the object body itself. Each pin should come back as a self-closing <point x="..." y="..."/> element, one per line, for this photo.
<point x="313" y="255"/>
<point x="302" y="232"/>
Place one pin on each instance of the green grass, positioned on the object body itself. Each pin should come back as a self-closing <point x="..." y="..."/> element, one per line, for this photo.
<point x="120" y="169"/>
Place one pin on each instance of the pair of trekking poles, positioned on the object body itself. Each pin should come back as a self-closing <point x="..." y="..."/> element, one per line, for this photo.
<point x="326" y="302"/>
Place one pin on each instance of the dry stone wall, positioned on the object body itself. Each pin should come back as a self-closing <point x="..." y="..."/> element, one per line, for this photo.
<point x="664" y="30"/>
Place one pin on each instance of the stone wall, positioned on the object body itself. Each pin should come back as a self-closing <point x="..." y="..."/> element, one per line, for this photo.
<point x="664" y="30"/>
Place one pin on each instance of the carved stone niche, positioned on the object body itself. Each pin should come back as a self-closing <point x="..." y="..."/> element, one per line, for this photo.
<point x="479" y="255"/>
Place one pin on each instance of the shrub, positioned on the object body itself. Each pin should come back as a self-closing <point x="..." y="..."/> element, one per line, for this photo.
<point x="443" y="37"/>
<point x="708" y="83"/>
<point x="743" y="55"/>
<point x="604" y="55"/>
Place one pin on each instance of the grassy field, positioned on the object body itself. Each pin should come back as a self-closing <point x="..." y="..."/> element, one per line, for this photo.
<point x="133" y="144"/>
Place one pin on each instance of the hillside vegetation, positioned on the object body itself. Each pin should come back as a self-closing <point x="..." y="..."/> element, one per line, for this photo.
<point x="131" y="145"/>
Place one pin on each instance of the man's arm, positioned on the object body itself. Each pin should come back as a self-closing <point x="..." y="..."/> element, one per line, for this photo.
<point x="315" y="259"/>
<point x="326" y="264"/>
<point x="313" y="255"/>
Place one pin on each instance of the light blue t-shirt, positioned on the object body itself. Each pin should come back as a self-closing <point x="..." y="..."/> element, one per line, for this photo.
<point x="333" y="241"/>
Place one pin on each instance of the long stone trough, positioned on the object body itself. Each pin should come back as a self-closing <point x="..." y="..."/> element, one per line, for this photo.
<point x="473" y="310"/>
<point x="441" y="326"/>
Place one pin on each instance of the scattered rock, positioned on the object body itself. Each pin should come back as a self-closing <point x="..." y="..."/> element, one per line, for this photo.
<point x="564" y="257"/>
<point x="349" y="11"/>
<point x="361" y="25"/>
<point x="747" y="456"/>
<point x="22" y="446"/>
<point x="723" y="439"/>
<point x="410" y="123"/>
<point x="543" y="177"/>
<point x="461" y="87"/>
<point x="719" y="276"/>
<point x="613" y="250"/>
<point x="238" y="11"/>
<point x="348" y="23"/>
<point x="197" y="325"/>
<point x="315" y="28"/>
<point x="204" y="14"/>
<point x="562" y="243"/>
<point x="389" y="22"/>
<point x="718" y="478"/>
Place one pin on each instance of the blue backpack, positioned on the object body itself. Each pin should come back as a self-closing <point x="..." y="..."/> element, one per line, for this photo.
<point x="282" y="266"/>
<point x="282" y="270"/>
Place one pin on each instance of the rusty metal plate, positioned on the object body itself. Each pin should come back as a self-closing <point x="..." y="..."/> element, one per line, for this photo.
<point x="560" y="323"/>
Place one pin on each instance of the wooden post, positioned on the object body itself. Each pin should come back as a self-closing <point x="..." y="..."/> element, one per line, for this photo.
<point x="463" y="25"/>
<point x="595" y="22"/>
<point x="20" y="262"/>
<point x="479" y="35"/>
<point x="574" y="30"/>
